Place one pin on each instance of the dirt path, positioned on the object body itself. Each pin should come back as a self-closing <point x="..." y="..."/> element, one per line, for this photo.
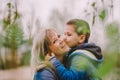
<point x="22" y="73"/>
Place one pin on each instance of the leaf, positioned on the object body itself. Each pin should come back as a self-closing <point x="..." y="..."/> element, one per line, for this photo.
<point x="102" y="14"/>
<point x="14" y="36"/>
<point x="1" y="40"/>
<point x="9" y="5"/>
<point x="112" y="30"/>
<point x="93" y="4"/>
<point x="93" y="21"/>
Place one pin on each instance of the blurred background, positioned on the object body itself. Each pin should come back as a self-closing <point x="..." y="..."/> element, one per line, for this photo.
<point x="20" y="19"/>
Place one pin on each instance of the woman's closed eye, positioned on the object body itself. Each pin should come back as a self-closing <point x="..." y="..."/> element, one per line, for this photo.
<point x="54" y="41"/>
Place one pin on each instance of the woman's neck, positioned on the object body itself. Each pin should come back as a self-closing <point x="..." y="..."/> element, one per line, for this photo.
<point x="60" y="58"/>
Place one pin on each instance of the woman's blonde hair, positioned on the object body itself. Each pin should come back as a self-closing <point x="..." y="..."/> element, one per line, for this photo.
<point x="40" y="48"/>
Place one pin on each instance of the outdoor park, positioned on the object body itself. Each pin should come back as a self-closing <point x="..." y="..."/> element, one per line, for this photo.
<point x="21" y="19"/>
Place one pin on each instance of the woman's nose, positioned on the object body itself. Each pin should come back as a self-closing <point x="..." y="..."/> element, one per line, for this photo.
<point x="64" y="38"/>
<point x="61" y="39"/>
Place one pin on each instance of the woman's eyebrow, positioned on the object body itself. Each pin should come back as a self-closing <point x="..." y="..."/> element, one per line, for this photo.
<point x="53" y="39"/>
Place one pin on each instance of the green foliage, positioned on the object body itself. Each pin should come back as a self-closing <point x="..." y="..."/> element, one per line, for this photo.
<point x="1" y="40"/>
<point x="13" y="32"/>
<point x="103" y="14"/>
<point x="94" y="16"/>
<point x="110" y="61"/>
<point x="14" y="36"/>
<point x="9" y="5"/>
<point x="93" y="4"/>
<point x="26" y="58"/>
<point x="112" y="30"/>
<point x="93" y="20"/>
<point x="113" y="52"/>
<point x="5" y="23"/>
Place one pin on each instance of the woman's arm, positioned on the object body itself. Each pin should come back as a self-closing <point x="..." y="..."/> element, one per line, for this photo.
<point x="45" y="74"/>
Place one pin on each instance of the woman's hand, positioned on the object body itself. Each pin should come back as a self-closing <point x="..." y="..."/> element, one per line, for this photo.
<point x="49" y="56"/>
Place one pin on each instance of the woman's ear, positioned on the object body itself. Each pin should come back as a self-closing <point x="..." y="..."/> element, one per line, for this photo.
<point x="82" y="39"/>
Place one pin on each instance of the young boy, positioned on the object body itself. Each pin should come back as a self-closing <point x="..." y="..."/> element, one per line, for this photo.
<point x="77" y="34"/>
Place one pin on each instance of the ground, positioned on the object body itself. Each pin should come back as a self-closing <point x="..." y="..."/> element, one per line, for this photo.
<point x="22" y="73"/>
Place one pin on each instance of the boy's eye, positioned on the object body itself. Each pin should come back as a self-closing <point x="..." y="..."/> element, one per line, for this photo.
<point x="68" y="34"/>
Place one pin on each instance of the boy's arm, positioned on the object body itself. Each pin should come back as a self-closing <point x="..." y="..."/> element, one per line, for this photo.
<point x="66" y="74"/>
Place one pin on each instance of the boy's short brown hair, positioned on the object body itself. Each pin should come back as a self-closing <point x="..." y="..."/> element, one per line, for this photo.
<point x="81" y="27"/>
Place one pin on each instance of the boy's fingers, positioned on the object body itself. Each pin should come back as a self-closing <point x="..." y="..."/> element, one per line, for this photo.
<point x="52" y="54"/>
<point x="49" y="56"/>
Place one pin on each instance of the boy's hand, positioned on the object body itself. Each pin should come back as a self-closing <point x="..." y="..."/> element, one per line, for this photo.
<point x="49" y="56"/>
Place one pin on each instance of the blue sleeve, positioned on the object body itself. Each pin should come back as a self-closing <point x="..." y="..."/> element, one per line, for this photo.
<point x="44" y="75"/>
<point x="64" y="73"/>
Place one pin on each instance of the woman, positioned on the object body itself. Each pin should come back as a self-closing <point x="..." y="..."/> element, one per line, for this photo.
<point x="43" y="70"/>
<point x="48" y="41"/>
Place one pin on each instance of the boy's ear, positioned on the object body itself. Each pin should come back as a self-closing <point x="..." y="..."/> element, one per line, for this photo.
<point x="82" y="38"/>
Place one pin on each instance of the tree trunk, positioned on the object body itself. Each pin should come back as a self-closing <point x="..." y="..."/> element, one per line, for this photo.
<point x="14" y="58"/>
